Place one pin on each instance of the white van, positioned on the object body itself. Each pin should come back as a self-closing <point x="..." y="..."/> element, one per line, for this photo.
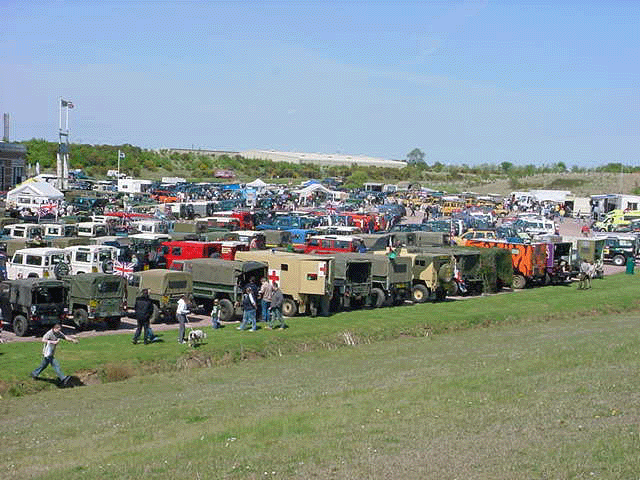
<point x="150" y="226"/>
<point x="37" y="262"/>
<point x="24" y="230"/>
<point x="58" y="230"/>
<point x="92" y="258"/>
<point x="92" y="229"/>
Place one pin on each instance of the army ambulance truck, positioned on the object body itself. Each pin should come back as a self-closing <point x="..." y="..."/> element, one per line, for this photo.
<point x="306" y="281"/>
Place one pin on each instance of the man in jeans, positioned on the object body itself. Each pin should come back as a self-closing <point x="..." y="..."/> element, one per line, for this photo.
<point x="50" y="340"/>
<point x="181" y="315"/>
<point x="248" y="310"/>
<point x="144" y="311"/>
<point x="276" y="307"/>
<point x="266" y="290"/>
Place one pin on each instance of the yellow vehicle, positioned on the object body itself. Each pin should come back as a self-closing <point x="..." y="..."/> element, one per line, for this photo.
<point x="473" y="234"/>
<point x="306" y="281"/>
<point x="616" y="218"/>
<point x="450" y="206"/>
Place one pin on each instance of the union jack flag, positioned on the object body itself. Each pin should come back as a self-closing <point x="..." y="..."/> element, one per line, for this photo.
<point x="123" y="269"/>
<point x="48" y="208"/>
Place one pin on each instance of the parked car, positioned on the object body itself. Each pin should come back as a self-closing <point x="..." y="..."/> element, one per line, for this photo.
<point x="39" y="263"/>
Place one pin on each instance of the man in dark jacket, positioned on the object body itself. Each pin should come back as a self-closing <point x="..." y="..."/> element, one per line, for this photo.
<point x="144" y="311"/>
<point x="276" y="307"/>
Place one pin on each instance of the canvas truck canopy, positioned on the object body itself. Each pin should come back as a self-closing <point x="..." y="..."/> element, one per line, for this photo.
<point x="226" y="272"/>
<point x="165" y="281"/>
<point x="21" y="291"/>
<point x="89" y="285"/>
<point x="345" y="267"/>
<point x="376" y="241"/>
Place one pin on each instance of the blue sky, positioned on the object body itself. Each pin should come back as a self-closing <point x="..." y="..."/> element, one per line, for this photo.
<point x="467" y="82"/>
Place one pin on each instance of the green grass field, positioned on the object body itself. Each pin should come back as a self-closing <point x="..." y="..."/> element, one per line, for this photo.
<point x="548" y="391"/>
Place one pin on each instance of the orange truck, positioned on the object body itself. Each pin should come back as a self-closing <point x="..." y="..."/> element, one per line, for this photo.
<point x="529" y="259"/>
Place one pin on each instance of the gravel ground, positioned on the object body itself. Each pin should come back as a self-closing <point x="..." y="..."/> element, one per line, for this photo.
<point x="567" y="227"/>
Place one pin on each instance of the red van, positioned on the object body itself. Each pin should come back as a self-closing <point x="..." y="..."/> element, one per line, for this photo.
<point x="333" y="243"/>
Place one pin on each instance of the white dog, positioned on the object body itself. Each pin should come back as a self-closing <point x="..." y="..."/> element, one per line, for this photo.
<point x="196" y="337"/>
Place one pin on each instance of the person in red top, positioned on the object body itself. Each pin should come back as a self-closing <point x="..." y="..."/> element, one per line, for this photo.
<point x="585" y="230"/>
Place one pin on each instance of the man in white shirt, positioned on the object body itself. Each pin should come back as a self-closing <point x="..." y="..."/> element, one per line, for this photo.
<point x="181" y="315"/>
<point x="50" y="340"/>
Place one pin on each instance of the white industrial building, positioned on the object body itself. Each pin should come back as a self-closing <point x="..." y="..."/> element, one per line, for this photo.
<point x="322" y="159"/>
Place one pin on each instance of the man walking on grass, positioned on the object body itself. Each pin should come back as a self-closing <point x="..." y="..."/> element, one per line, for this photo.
<point x="277" y="300"/>
<point x="50" y="340"/>
<point x="248" y="310"/>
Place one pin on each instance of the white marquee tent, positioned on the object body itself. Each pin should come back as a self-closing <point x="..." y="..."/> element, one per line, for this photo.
<point x="32" y="194"/>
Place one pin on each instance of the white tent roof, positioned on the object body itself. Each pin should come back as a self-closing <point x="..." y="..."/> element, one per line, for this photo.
<point x="257" y="183"/>
<point x="35" y="188"/>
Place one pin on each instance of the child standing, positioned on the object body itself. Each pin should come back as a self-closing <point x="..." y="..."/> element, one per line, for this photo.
<point x="215" y="314"/>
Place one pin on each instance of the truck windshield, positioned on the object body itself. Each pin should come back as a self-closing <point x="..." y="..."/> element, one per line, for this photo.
<point x="108" y="287"/>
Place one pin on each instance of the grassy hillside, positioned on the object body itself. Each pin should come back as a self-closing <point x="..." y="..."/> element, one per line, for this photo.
<point x="95" y="160"/>
<point x="550" y="394"/>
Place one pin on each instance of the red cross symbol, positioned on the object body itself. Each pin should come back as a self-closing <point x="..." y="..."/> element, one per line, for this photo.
<point x="274" y="275"/>
<point x="322" y="269"/>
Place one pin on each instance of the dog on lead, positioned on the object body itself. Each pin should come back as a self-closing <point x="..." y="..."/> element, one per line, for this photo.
<point x="196" y="337"/>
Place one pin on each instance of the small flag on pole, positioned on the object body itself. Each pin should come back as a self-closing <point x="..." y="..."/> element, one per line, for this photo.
<point x="66" y="103"/>
<point x="121" y="154"/>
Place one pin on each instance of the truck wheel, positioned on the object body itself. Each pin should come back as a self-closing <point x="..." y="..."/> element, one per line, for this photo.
<point x="377" y="297"/>
<point x="420" y="294"/>
<point x="289" y="308"/>
<point x="519" y="282"/>
<point x="80" y="318"/>
<point x="452" y="289"/>
<point x="113" y="323"/>
<point x="227" y="312"/>
<point x="20" y="325"/>
<point x="155" y="316"/>
<point x="619" y="260"/>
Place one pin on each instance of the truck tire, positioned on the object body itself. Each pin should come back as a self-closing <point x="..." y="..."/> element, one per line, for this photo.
<point x="377" y="297"/>
<point x="61" y="270"/>
<point x="519" y="282"/>
<point x="289" y="308"/>
<point x="445" y="274"/>
<point x="619" y="261"/>
<point x="20" y="325"/>
<point x="420" y="294"/>
<point x="80" y="318"/>
<point x="227" y="312"/>
<point x="113" y="323"/>
<point x="107" y="266"/>
<point x="452" y="289"/>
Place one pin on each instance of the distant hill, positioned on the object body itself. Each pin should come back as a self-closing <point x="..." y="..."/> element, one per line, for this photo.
<point x="96" y="160"/>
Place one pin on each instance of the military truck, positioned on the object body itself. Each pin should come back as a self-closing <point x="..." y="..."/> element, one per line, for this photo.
<point x="165" y="289"/>
<point x="352" y="280"/>
<point x="306" y="281"/>
<point x="432" y="274"/>
<point x="94" y="297"/>
<point x="31" y="303"/>
<point x="214" y="278"/>
<point x="391" y="279"/>
<point x="468" y="278"/>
